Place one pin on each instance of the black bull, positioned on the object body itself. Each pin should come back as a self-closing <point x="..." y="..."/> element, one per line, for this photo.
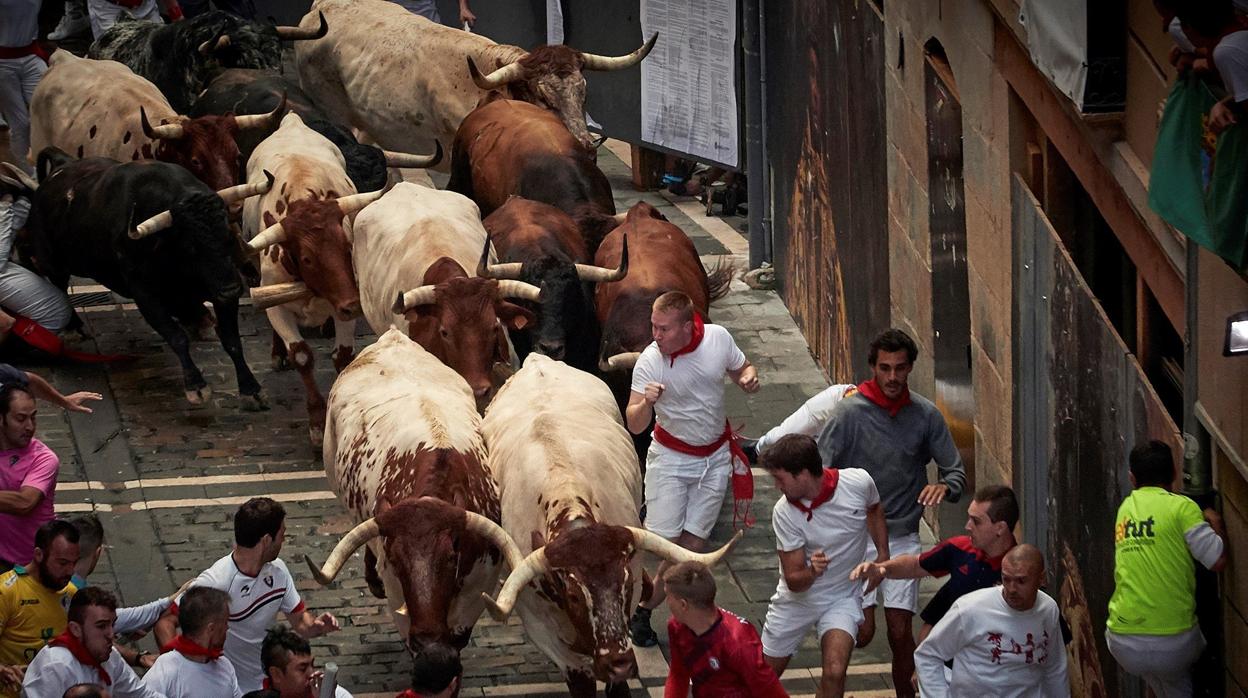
<point x="80" y="224"/>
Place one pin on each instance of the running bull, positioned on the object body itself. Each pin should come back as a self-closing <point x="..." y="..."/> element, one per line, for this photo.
<point x="149" y="231"/>
<point x="403" y="452"/>
<point x="570" y="490"/>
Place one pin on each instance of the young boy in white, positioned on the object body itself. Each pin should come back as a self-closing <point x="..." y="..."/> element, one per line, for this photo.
<point x="192" y="665"/>
<point x="822" y="525"/>
<point x="1004" y="641"/>
<point x="679" y="379"/>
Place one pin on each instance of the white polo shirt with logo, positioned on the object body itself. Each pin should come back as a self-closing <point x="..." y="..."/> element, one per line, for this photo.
<point x="254" y="605"/>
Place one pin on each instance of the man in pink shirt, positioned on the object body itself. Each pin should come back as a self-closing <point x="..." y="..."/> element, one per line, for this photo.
<point x="28" y="472"/>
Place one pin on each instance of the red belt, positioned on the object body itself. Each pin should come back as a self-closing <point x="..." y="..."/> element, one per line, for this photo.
<point x="742" y="478"/>
<point x="31" y="49"/>
<point x="45" y="340"/>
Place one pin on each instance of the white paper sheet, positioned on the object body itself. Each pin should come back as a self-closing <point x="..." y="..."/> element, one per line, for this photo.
<point x="688" y="82"/>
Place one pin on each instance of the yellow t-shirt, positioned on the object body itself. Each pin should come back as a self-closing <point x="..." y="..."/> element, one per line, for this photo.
<point x="30" y="615"/>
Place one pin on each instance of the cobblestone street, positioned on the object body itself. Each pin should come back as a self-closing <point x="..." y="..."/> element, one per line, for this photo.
<point x="165" y="478"/>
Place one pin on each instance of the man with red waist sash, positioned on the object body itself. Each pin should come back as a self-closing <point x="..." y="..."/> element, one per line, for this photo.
<point x="680" y="379"/>
<point x="22" y="64"/>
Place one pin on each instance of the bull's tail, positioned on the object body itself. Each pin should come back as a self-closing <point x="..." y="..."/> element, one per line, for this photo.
<point x="719" y="279"/>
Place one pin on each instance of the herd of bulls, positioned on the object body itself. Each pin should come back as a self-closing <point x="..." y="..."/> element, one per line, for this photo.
<point x="173" y="155"/>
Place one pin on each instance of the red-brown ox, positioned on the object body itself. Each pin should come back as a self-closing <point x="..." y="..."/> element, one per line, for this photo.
<point x="101" y="108"/>
<point x="405" y="80"/>
<point x="508" y="148"/>
<point x="302" y="228"/>
<point x="403" y="452"/>
<point x="540" y="245"/>
<point x="570" y="491"/>
<point x="413" y="250"/>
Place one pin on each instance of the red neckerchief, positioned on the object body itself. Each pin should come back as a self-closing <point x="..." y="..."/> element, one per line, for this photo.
<point x="188" y="648"/>
<point x="826" y="489"/>
<point x="742" y="478"/>
<point x="699" y="329"/>
<point x="79" y="651"/>
<point x="409" y="693"/>
<point x="872" y="392"/>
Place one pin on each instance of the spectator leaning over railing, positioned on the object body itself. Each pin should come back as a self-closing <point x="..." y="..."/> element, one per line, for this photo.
<point x="1215" y="27"/>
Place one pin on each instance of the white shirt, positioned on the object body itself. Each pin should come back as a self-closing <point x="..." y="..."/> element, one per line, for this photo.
<point x="254" y="605"/>
<point x="996" y="651"/>
<point x="1230" y="57"/>
<point x="838" y="527"/>
<point x="692" y="405"/>
<point x="810" y="418"/>
<point x="54" y="670"/>
<point x="20" y="25"/>
<point x="178" y="677"/>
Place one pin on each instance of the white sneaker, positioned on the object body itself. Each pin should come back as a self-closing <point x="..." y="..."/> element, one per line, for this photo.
<point x="73" y="23"/>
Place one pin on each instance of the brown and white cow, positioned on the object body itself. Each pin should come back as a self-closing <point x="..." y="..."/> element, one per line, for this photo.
<point x="302" y="229"/>
<point x="404" y="454"/>
<point x="405" y="80"/>
<point x="413" y="252"/>
<point x="101" y="108"/>
<point x="570" y="490"/>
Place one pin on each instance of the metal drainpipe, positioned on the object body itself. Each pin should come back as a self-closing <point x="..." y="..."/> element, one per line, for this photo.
<point x="1197" y="464"/>
<point x="752" y="13"/>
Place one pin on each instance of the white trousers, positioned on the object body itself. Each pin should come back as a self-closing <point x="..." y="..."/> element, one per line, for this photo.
<point x="18" y="78"/>
<point x="1163" y="661"/>
<point x="105" y="14"/>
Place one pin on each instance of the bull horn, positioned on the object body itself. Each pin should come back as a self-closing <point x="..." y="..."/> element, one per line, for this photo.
<point x="155" y="224"/>
<point x="487" y="529"/>
<point x="510" y="288"/>
<point x="167" y="131"/>
<point x="299" y="33"/>
<point x="423" y="295"/>
<point x="530" y="568"/>
<point x="485" y="270"/>
<point x="397" y="159"/>
<point x="354" y="202"/>
<point x="17" y="177"/>
<point x="208" y="47"/>
<point x="496" y="79"/>
<point x="664" y="548"/>
<point x="589" y="272"/>
<point x="237" y="193"/>
<point x="595" y="62"/>
<point x="620" y="362"/>
<point x="269" y="236"/>
<point x="264" y="297"/>
<point x="361" y="534"/>
<point x="266" y="121"/>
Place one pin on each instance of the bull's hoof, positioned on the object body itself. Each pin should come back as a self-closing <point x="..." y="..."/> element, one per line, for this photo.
<point x="199" y="396"/>
<point x="253" y="403"/>
<point x="281" y="363"/>
<point x="375" y="587"/>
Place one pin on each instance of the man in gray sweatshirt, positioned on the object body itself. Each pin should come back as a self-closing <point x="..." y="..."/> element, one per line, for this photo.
<point x="893" y="433"/>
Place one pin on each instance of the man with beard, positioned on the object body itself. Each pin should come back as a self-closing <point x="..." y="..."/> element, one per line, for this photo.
<point x="84" y="653"/>
<point x="892" y="433"/>
<point x="33" y="602"/>
<point x="27" y="478"/>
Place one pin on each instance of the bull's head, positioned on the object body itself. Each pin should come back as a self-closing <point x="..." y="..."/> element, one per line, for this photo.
<point x="206" y="145"/>
<point x="431" y="547"/>
<point x="566" y="307"/>
<point x="550" y="76"/>
<point x="317" y="247"/>
<point x="461" y="321"/>
<point x="588" y="572"/>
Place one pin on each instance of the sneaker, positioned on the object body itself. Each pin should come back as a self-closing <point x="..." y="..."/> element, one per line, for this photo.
<point x="639" y="628"/>
<point x="73" y="23"/>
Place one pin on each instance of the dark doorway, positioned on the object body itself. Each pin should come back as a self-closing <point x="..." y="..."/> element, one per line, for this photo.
<point x="951" y="304"/>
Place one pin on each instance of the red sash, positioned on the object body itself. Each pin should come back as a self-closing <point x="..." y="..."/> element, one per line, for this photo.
<point x="827" y="488"/>
<point x="742" y="478"/>
<point x="31" y="49"/>
<point x="43" y="339"/>
<point x="872" y="392"/>
<point x="79" y="651"/>
<point x="188" y="648"/>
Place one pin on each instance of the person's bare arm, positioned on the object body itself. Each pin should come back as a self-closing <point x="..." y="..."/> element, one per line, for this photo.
<point x="798" y="575"/>
<point x="166" y="628"/>
<point x="640" y="408"/>
<point x="465" y="14"/>
<point x="21" y="502"/>
<point x="43" y="390"/>
<point x="310" y="626"/>
<point x="746" y="377"/>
